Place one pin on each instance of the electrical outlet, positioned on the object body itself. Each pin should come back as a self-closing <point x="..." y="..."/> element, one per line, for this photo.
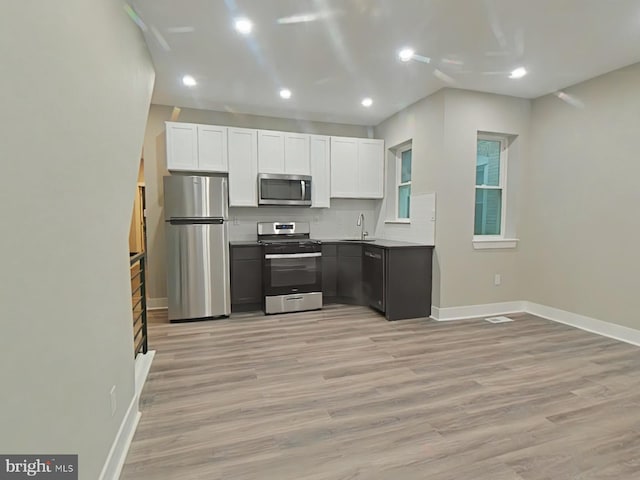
<point x="112" y="397"/>
<point x="497" y="279"/>
<point x="236" y="221"/>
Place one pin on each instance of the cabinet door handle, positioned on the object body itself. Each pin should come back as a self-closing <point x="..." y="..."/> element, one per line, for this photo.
<point x="377" y="256"/>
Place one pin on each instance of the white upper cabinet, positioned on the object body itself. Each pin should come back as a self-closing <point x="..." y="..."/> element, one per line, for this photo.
<point x="196" y="148"/>
<point x="296" y="154"/>
<point x="370" y="168"/>
<point x="341" y="167"/>
<point x="320" y="171"/>
<point x="212" y="148"/>
<point x="243" y="167"/>
<point x="344" y="167"/>
<point x="270" y="151"/>
<point x="357" y="167"/>
<point x="182" y="146"/>
<point x="283" y="152"/>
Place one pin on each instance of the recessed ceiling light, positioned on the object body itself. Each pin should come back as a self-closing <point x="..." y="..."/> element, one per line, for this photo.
<point x="518" y="72"/>
<point x="285" y="93"/>
<point x="367" y="102"/>
<point x="406" y="54"/>
<point x="244" y="26"/>
<point x="189" y="81"/>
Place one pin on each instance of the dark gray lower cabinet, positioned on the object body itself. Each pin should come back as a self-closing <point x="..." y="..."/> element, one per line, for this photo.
<point x="349" y="281"/>
<point x="329" y="273"/>
<point x="394" y="281"/>
<point x="246" y="278"/>
<point x="407" y="283"/>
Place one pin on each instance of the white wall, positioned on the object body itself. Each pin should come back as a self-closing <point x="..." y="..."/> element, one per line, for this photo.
<point x="423" y="124"/>
<point x="582" y="226"/>
<point x="443" y="129"/>
<point x="467" y="276"/>
<point x="75" y="88"/>
<point x="155" y="169"/>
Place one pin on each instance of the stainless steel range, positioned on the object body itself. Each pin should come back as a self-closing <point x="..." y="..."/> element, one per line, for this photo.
<point x="292" y="267"/>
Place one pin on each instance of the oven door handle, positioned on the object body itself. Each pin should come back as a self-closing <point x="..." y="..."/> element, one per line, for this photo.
<point x="269" y="256"/>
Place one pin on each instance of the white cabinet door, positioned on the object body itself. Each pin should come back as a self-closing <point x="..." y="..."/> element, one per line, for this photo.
<point x="296" y="154"/>
<point x="370" y="168"/>
<point x="270" y="151"/>
<point x="182" y="146"/>
<point x="344" y="167"/>
<point x="243" y="167"/>
<point x="212" y="148"/>
<point x="320" y="171"/>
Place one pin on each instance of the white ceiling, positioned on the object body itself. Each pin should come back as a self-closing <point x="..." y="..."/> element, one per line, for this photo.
<point x="332" y="63"/>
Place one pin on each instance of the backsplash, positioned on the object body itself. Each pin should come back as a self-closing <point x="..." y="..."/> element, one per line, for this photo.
<point x="339" y="221"/>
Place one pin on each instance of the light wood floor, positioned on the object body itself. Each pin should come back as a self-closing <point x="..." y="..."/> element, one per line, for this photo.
<point x="343" y="394"/>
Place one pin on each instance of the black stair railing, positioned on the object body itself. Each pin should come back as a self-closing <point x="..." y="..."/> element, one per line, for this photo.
<point x="139" y="302"/>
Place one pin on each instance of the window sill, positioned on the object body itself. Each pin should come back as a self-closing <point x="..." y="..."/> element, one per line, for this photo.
<point x="480" y="243"/>
<point x="399" y="220"/>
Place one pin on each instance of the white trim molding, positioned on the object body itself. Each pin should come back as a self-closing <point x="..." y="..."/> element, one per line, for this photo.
<point x="120" y="447"/>
<point x="480" y="243"/>
<point x="588" y="324"/>
<point x="593" y="325"/>
<point x="401" y="221"/>
<point x="475" y="311"/>
<point x="142" y="367"/>
<point x="157" y="303"/>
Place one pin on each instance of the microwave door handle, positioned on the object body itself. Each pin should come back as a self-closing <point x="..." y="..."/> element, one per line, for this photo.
<point x="303" y="184"/>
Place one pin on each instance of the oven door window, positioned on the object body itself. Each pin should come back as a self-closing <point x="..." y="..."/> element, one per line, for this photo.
<point x="293" y="275"/>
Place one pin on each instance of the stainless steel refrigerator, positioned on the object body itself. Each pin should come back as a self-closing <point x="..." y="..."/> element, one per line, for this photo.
<point x="195" y="212"/>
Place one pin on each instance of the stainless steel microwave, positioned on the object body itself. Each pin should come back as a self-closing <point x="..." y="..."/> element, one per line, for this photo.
<point x="276" y="189"/>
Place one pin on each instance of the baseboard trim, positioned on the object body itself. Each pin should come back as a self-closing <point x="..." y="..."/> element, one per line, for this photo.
<point x="474" y="311"/>
<point x="118" y="453"/>
<point x="120" y="447"/>
<point x="157" y="303"/>
<point x="142" y="367"/>
<point x="593" y="325"/>
<point x="588" y="324"/>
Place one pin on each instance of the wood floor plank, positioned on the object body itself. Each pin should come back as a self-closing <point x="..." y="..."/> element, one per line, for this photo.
<point x="342" y="394"/>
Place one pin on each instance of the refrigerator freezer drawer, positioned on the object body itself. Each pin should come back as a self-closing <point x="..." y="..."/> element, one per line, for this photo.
<point x="198" y="271"/>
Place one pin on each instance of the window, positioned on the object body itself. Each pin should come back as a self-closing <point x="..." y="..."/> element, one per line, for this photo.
<point x="491" y="174"/>
<point x="403" y="183"/>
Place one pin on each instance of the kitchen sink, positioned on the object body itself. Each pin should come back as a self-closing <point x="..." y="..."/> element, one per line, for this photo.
<point x="358" y="240"/>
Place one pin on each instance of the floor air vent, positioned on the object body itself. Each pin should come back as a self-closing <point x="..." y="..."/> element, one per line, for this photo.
<point x="499" y="319"/>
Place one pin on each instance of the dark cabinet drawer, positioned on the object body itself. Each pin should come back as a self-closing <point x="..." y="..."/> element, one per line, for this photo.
<point x="329" y="250"/>
<point x="246" y="253"/>
<point x="349" y="250"/>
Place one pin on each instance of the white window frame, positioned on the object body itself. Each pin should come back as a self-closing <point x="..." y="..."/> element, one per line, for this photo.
<point x="500" y="240"/>
<point x="399" y="183"/>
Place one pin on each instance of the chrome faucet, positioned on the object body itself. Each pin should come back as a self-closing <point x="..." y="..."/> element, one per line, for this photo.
<point x="360" y="224"/>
